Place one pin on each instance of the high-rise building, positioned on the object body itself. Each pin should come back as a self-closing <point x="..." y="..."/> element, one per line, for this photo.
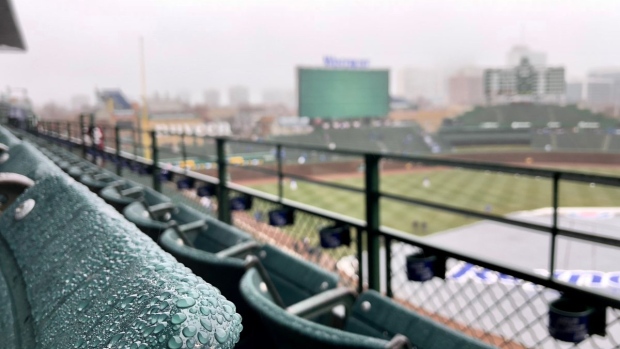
<point x="465" y="87"/>
<point x="525" y="83"/>
<point x="422" y="84"/>
<point x="603" y="90"/>
<point x="517" y="53"/>
<point x="574" y="92"/>
<point x="600" y="93"/>
<point x="212" y="98"/>
<point x="239" y="96"/>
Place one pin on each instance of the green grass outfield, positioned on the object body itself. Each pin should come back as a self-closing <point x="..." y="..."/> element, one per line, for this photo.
<point x="475" y="190"/>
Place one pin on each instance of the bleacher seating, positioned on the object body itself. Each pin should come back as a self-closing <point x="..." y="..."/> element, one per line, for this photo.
<point x="406" y="139"/>
<point x="372" y="321"/>
<point x="76" y="274"/>
<point x="163" y="305"/>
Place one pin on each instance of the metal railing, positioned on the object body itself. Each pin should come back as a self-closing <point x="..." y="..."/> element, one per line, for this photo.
<point x="484" y="297"/>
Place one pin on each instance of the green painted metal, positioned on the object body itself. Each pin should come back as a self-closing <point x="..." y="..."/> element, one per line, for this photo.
<point x="395" y="235"/>
<point x="223" y="201"/>
<point x="156" y="170"/>
<point x="82" y="135"/>
<point x="117" y="145"/>
<point x="387" y="241"/>
<point x="280" y="173"/>
<point x="371" y="179"/>
<point x="554" y="225"/>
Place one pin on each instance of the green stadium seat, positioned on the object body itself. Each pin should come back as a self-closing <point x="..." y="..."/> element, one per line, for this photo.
<point x="24" y="159"/>
<point x="122" y="193"/>
<point x="8" y="138"/>
<point x="96" y="181"/>
<point x="154" y="213"/>
<point x="373" y="321"/>
<point x="98" y="282"/>
<point x="378" y="316"/>
<point x="289" y="331"/>
<point x="215" y="253"/>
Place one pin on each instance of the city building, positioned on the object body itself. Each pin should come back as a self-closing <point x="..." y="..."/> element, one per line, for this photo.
<point x="574" y="92"/>
<point x="238" y="96"/>
<point x="517" y="53"/>
<point x="114" y="108"/>
<point x="465" y="87"/>
<point x="525" y="82"/>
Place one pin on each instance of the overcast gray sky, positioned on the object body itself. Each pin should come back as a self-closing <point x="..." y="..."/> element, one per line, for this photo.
<point x="77" y="45"/>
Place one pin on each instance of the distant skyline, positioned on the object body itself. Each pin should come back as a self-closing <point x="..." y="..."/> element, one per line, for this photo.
<point x="191" y="46"/>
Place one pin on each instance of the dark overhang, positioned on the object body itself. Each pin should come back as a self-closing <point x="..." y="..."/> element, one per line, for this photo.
<point x="10" y="36"/>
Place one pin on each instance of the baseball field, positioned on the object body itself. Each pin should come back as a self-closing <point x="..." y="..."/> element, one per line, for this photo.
<point x="489" y="192"/>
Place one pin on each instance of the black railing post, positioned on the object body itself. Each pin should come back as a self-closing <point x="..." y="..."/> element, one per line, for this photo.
<point x="83" y="135"/>
<point x="372" y="220"/>
<point x="117" y="145"/>
<point x="280" y="174"/>
<point x="91" y="131"/>
<point x="223" y="203"/>
<point x="360" y="259"/>
<point x="155" y="155"/>
<point x="183" y="151"/>
<point x="554" y="227"/>
<point x="133" y="137"/>
<point x="387" y="240"/>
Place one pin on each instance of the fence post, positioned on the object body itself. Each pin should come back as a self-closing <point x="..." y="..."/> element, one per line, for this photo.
<point x="372" y="220"/>
<point x="280" y="175"/>
<point x="82" y="135"/>
<point x="388" y="265"/>
<point x="117" y="145"/>
<point x="183" y="151"/>
<point x="223" y="202"/>
<point x="360" y="259"/>
<point x="554" y="227"/>
<point x="91" y="130"/>
<point x="155" y="155"/>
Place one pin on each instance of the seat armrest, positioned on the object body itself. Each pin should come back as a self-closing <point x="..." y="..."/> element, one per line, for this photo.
<point x="239" y="250"/>
<point x="159" y="210"/>
<point x="118" y="184"/>
<point x="323" y="302"/>
<point x="252" y="261"/>
<point x="191" y="226"/>
<point x="135" y="192"/>
<point x="101" y="176"/>
<point x="399" y="342"/>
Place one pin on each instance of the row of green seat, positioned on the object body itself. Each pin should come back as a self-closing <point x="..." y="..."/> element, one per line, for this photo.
<point x="285" y="301"/>
<point x="77" y="274"/>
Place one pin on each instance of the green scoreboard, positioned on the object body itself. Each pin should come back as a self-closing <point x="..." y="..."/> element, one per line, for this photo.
<point x="343" y="93"/>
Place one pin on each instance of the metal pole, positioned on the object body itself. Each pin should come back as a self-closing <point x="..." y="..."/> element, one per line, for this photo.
<point x="372" y="220"/>
<point x="69" y="144"/>
<point x="280" y="174"/>
<point x="83" y="135"/>
<point x="91" y="129"/>
<point x="554" y="227"/>
<point x="183" y="151"/>
<point x="388" y="265"/>
<point x="360" y="259"/>
<point x="133" y="136"/>
<point x="117" y="145"/>
<point x="156" y="179"/>
<point x="223" y="210"/>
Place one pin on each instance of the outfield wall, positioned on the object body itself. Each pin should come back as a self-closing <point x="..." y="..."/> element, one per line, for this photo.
<point x="352" y="167"/>
<point x="589" y="158"/>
